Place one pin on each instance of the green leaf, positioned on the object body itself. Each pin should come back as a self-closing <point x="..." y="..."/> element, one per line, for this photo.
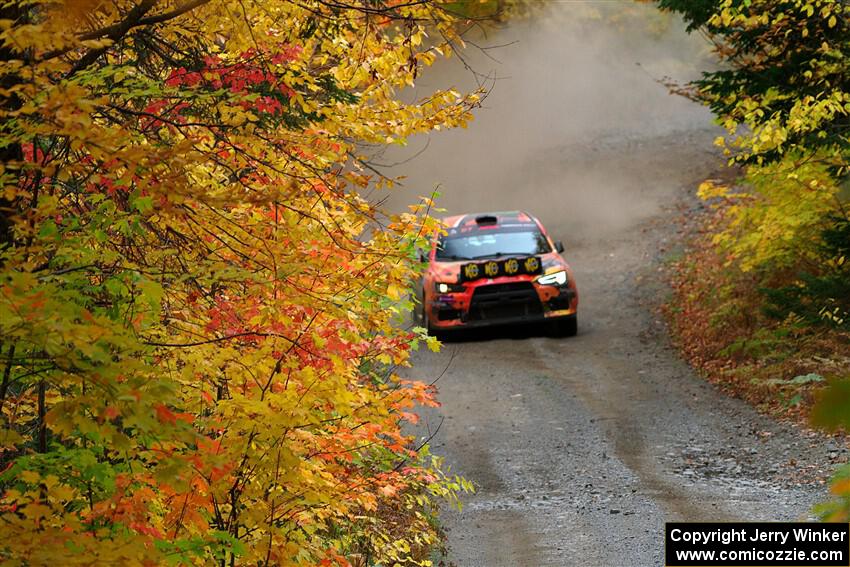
<point x="832" y="410"/>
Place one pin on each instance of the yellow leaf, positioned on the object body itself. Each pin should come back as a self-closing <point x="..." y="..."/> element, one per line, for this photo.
<point x="711" y="190"/>
<point x="395" y="291"/>
<point x="30" y="477"/>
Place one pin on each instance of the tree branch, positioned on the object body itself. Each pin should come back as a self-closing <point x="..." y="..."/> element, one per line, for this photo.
<point x="115" y="33"/>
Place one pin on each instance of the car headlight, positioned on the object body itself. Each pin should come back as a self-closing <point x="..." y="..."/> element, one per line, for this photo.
<point x="441" y="287"/>
<point x="557" y="278"/>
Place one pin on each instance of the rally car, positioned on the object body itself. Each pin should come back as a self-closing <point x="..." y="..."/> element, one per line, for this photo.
<point x="496" y="269"/>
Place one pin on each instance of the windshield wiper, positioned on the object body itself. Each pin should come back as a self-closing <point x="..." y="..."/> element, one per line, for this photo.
<point x="495" y="255"/>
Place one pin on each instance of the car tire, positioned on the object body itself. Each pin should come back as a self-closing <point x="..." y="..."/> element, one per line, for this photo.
<point x="565" y="326"/>
<point x="423" y="318"/>
<point x="425" y="323"/>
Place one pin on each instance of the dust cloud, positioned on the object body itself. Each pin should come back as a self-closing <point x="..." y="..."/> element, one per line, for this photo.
<point x="576" y="126"/>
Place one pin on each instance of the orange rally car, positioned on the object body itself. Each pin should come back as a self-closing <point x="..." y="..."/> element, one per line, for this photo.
<point x="494" y="269"/>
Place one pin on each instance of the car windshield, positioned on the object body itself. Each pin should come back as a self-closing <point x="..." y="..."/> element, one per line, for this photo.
<point x="491" y="245"/>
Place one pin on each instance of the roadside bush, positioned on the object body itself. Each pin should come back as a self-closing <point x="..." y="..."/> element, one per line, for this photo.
<point x="820" y="296"/>
<point x="760" y="296"/>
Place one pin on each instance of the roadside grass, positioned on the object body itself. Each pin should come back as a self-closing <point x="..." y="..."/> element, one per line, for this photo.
<point x="715" y="314"/>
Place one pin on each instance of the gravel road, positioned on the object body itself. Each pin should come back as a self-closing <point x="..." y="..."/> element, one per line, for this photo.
<point x="581" y="448"/>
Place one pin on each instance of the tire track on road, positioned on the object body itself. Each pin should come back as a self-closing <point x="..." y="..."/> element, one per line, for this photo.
<point x="608" y="388"/>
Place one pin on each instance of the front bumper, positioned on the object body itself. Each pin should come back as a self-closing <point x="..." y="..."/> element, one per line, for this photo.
<point x="506" y="321"/>
<point x="500" y="303"/>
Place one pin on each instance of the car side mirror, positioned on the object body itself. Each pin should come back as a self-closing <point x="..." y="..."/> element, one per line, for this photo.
<point x="559" y="246"/>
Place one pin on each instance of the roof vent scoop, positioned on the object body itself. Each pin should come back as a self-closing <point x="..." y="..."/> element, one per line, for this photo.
<point x="486" y="219"/>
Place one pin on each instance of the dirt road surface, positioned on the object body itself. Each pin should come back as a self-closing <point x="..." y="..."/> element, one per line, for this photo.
<point x="581" y="448"/>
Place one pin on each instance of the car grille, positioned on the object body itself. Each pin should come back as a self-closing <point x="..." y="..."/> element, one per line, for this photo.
<point x="504" y="301"/>
<point x="448" y="314"/>
<point x="561" y="301"/>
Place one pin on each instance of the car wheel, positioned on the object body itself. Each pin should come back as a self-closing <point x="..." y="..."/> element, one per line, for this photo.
<point x="424" y="322"/>
<point x="423" y="317"/>
<point x="565" y="326"/>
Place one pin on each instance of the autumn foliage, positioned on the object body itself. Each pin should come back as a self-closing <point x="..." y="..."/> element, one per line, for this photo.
<point x="199" y="312"/>
<point x="762" y="298"/>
